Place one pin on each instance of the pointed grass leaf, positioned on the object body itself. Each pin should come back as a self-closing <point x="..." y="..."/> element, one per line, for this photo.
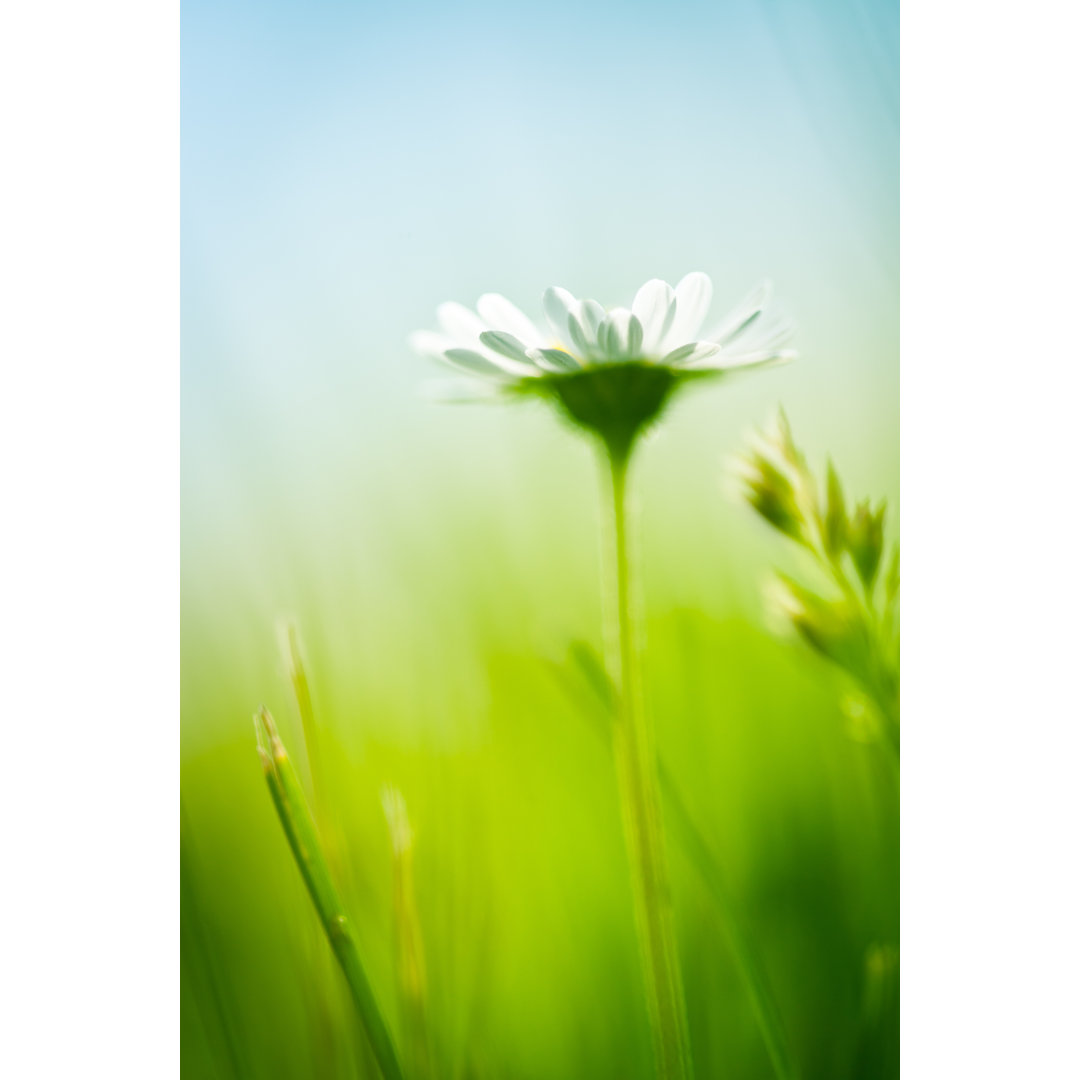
<point x="303" y="837"/>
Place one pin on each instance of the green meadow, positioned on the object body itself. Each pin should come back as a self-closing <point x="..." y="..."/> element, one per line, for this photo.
<point x="445" y="607"/>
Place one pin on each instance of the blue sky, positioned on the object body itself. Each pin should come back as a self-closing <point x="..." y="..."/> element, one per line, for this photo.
<point x="348" y="166"/>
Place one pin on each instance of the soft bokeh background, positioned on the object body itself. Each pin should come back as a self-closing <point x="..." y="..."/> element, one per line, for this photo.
<point x="346" y="167"/>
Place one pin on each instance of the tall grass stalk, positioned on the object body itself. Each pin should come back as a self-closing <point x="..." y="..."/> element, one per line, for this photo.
<point x="635" y="761"/>
<point x="411" y="973"/>
<point x="292" y="652"/>
<point x="696" y="848"/>
<point x="303" y="837"/>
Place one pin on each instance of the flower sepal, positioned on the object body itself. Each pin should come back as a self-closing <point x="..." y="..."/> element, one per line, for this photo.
<point x="615" y="402"/>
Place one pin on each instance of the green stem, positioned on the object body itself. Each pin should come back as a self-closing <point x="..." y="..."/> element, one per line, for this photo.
<point x="639" y="795"/>
<point x="694" y="845"/>
<point x="884" y="696"/>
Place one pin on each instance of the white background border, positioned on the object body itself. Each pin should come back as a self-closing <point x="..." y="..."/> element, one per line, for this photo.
<point x="89" y="539"/>
<point x="990" y="360"/>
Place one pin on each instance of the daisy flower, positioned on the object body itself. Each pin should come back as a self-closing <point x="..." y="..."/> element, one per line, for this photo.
<point x="610" y="370"/>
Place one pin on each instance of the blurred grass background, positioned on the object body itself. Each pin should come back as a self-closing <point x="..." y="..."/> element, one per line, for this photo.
<point x="345" y="168"/>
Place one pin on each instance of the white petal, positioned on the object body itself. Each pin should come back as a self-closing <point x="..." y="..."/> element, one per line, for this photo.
<point x="654" y="305"/>
<point x="620" y="335"/>
<point x="554" y="360"/>
<point x="461" y="391"/>
<point x="430" y="344"/>
<point x="458" y="322"/>
<point x="692" y="353"/>
<point x="692" y="298"/>
<point x="500" y="314"/>
<point x="583" y="321"/>
<point x="592" y="315"/>
<point x="467" y="328"/>
<point x="726" y="361"/>
<point x="508" y="348"/>
<point x="476" y="363"/>
<point x="506" y="345"/>
<point x="557" y="305"/>
<point x="768" y="333"/>
<point x="577" y="335"/>
<point x="743" y="314"/>
<point x="608" y="346"/>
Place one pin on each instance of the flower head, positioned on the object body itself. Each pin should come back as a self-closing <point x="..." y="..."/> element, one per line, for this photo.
<point x="611" y="371"/>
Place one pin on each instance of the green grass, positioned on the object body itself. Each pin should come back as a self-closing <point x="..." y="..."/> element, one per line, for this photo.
<point x="521" y="880"/>
<point x="436" y="615"/>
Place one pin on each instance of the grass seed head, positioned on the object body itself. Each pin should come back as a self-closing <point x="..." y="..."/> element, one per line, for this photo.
<point x="866" y="540"/>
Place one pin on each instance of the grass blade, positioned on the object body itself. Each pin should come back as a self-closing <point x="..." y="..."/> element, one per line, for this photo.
<point x="198" y="955"/>
<point x="299" y="826"/>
